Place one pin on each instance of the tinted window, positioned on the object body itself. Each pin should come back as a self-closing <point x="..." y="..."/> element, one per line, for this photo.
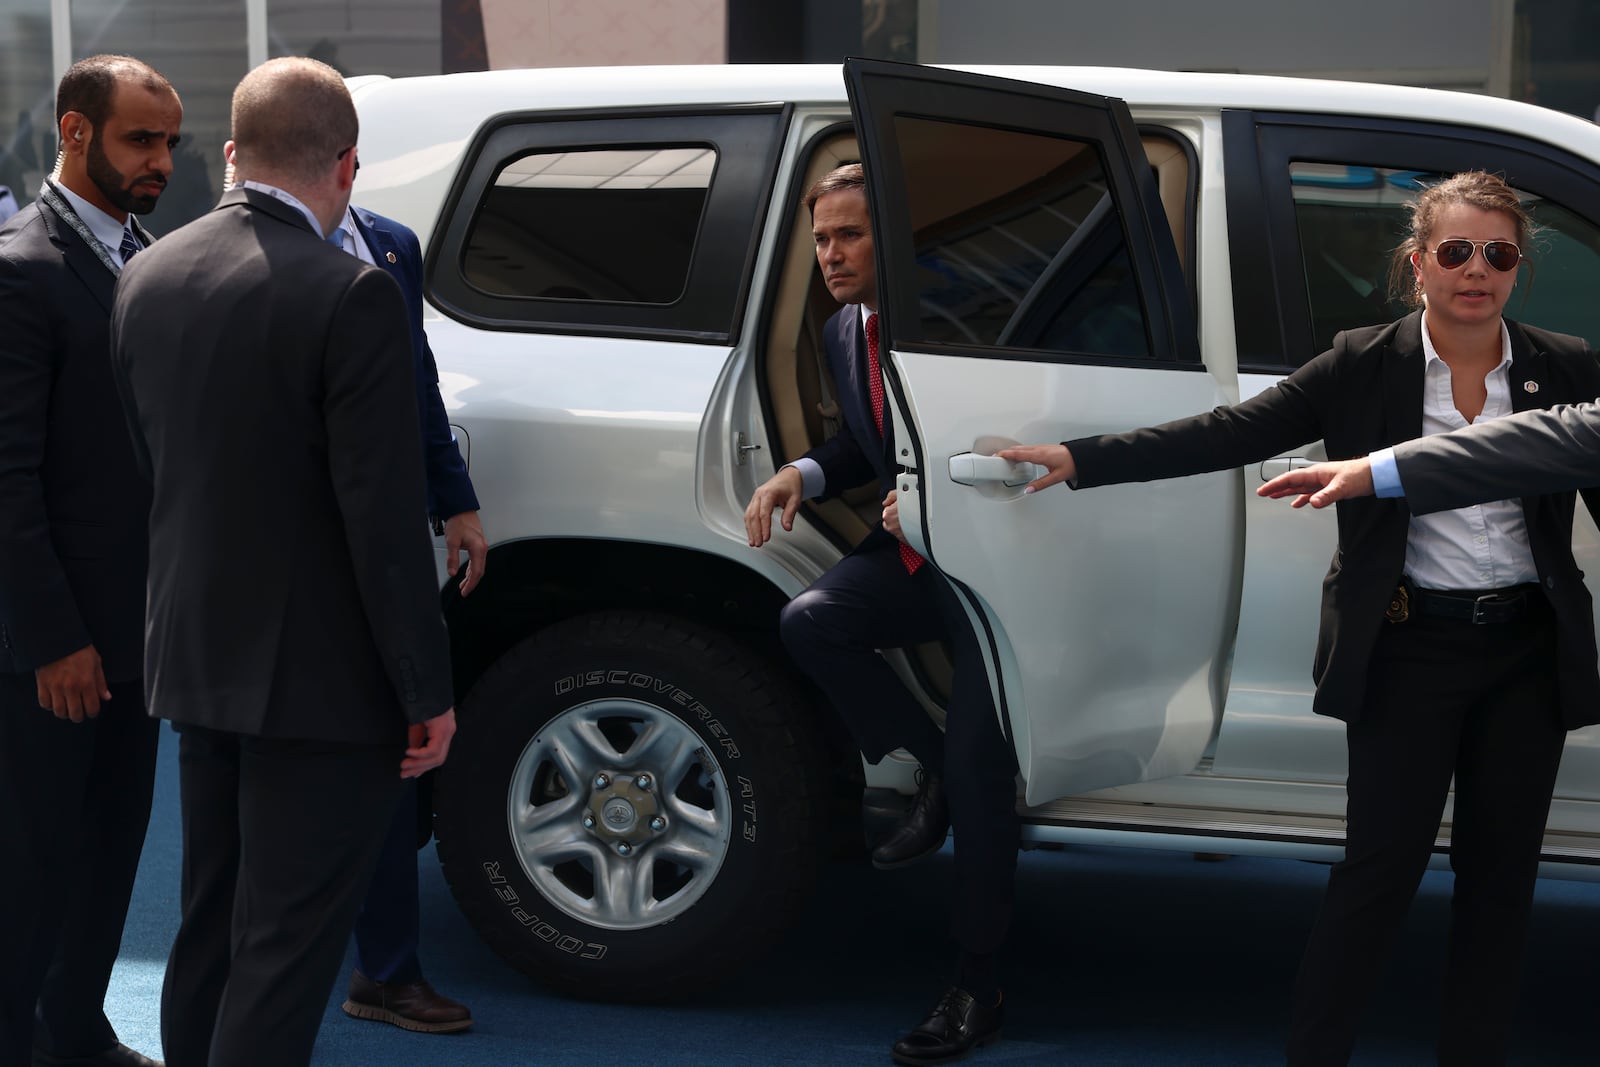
<point x="604" y="225"/>
<point x="1351" y="218"/>
<point x="640" y="224"/>
<point x="1018" y="243"/>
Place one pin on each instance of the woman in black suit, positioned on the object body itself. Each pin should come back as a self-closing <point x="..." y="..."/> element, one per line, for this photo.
<point x="1460" y="644"/>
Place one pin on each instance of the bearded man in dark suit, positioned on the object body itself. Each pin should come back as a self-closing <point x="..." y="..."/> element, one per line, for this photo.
<point x="77" y="751"/>
<point x="294" y="635"/>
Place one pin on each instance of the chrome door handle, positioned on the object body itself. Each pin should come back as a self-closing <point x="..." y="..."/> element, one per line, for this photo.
<point x="1271" y="468"/>
<point x="969" y="468"/>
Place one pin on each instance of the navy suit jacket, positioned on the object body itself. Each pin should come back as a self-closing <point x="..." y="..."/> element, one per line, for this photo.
<point x="397" y="251"/>
<point x="857" y="453"/>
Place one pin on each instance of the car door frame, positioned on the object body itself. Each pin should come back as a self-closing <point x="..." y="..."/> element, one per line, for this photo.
<point x="880" y="91"/>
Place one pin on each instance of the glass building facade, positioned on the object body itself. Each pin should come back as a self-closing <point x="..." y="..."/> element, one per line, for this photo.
<point x="1537" y="50"/>
<point x="203" y="47"/>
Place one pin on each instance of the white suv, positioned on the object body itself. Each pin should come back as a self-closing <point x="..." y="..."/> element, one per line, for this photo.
<point x="627" y="317"/>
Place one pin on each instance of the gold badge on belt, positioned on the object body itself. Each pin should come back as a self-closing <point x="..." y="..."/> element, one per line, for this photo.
<point x="1399" y="609"/>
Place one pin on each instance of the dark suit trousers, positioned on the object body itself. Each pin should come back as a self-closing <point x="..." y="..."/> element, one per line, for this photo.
<point x="279" y="842"/>
<point x="1443" y="697"/>
<point x="833" y="631"/>
<point x="75" y="802"/>
<point x="387" y="927"/>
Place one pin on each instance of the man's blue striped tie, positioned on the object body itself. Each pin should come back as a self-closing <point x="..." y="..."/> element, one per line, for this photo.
<point x="129" y="247"/>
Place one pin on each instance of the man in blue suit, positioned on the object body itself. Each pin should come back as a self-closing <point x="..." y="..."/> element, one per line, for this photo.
<point x="388" y="984"/>
<point x="883" y="594"/>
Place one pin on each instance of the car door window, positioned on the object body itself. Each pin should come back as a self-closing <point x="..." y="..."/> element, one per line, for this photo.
<point x="1350" y="218"/>
<point x="1317" y="202"/>
<point x="1019" y="244"/>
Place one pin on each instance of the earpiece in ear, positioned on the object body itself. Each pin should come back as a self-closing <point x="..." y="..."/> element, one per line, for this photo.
<point x="78" y="136"/>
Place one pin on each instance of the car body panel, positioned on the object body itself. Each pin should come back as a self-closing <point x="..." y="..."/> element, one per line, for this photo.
<point x="631" y="439"/>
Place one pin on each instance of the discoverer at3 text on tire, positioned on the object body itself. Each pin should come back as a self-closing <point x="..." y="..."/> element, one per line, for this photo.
<point x="630" y="806"/>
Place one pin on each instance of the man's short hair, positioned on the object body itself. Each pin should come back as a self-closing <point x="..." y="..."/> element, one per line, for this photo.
<point x="849" y="176"/>
<point x="292" y="117"/>
<point x="89" y="85"/>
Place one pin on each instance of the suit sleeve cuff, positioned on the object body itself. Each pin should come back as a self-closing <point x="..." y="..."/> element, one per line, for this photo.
<point x="812" y="481"/>
<point x="1385" y="474"/>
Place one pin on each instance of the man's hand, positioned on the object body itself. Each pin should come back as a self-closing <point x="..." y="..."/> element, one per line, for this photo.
<point x="891" y="514"/>
<point x="783" y="490"/>
<point x="465" y="531"/>
<point x="1056" y="459"/>
<point x="427" y="744"/>
<point x="1321" y="484"/>
<point x="73" y="686"/>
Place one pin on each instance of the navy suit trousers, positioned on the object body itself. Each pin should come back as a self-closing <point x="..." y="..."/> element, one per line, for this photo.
<point x="834" y="630"/>
<point x="387" y="928"/>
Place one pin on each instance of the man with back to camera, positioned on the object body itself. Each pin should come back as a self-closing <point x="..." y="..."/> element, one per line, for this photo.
<point x="294" y="631"/>
<point x="77" y="751"/>
<point x="388" y="984"/>
<point x="884" y="595"/>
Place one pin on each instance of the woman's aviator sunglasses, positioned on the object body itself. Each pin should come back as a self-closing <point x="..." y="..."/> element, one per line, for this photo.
<point x="1457" y="252"/>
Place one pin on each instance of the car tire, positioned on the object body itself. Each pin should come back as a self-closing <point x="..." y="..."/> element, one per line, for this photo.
<point x="630" y="809"/>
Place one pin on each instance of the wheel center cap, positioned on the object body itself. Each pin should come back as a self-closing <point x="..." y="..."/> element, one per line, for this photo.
<point x="619" y="815"/>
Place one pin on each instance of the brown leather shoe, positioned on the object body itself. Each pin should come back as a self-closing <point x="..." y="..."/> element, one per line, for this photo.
<point x="411" y="1007"/>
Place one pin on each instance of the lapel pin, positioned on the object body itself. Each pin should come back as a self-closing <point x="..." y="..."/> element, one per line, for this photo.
<point x="390" y="257"/>
<point x="1530" y="387"/>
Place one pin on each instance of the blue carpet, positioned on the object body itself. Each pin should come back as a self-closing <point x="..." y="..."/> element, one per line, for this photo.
<point x="1120" y="958"/>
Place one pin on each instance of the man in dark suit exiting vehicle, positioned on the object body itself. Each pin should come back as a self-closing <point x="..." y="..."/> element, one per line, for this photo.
<point x="294" y="635"/>
<point x="77" y="751"/>
<point x="883" y="594"/>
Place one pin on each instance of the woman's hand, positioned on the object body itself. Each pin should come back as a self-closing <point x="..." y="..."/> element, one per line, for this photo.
<point x="1054" y="458"/>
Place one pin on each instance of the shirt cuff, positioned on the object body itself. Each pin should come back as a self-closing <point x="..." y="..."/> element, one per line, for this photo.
<point x="1385" y="474"/>
<point x="812" y="480"/>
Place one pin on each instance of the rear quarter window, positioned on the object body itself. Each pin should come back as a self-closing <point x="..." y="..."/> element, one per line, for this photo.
<point x="641" y="224"/>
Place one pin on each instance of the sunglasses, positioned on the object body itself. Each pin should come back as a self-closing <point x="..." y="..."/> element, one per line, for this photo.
<point x="1457" y="252"/>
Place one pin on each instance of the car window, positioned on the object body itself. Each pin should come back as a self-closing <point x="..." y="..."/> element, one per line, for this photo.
<point x="1350" y="219"/>
<point x="534" y="234"/>
<point x="1018" y="244"/>
<point x="642" y="223"/>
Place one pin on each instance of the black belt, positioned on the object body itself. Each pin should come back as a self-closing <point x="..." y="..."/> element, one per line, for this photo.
<point x="1481" y="609"/>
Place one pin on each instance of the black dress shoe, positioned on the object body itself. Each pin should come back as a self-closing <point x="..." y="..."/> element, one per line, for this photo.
<point x="958" y="1025"/>
<point x="410" y="1006"/>
<point x="118" y="1055"/>
<point x="921" y="833"/>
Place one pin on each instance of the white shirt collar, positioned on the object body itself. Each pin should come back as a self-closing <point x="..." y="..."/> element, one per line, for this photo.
<point x="107" y="230"/>
<point x="1432" y="353"/>
<point x="290" y="199"/>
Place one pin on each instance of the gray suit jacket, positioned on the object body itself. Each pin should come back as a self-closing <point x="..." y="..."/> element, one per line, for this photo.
<point x="1531" y="452"/>
<point x="268" y="378"/>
